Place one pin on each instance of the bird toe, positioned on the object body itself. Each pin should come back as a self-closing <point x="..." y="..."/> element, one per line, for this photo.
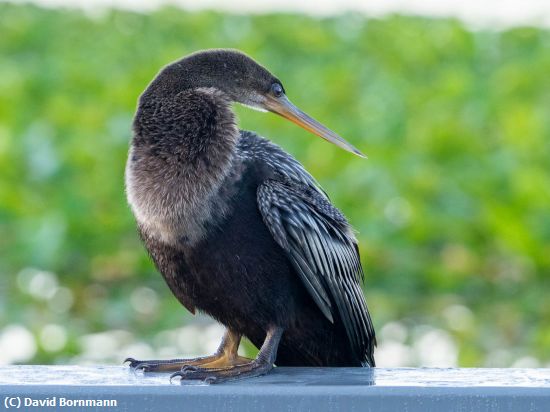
<point x="132" y="363"/>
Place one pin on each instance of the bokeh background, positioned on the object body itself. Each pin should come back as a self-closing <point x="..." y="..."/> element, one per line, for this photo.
<point x="452" y="207"/>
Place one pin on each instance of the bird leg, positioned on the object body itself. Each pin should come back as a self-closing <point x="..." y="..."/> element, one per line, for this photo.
<point x="259" y="366"/>
<point x="225" y="356"/>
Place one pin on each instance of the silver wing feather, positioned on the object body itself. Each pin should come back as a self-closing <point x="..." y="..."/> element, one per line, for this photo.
<point x="323" y="250"/>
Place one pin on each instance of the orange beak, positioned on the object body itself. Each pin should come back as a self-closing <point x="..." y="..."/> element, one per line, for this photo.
<point x="283" y="107"/>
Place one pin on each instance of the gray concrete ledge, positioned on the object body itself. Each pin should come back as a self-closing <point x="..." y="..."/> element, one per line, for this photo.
<point x="285" y="389"/>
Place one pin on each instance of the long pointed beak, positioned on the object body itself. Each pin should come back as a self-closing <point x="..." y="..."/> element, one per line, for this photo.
<point x="283" y="107"/>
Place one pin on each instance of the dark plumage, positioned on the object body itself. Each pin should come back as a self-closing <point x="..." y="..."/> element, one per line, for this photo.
<point x="238" y="228"/>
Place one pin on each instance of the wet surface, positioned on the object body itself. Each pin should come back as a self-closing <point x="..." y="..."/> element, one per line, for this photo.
<point x="284" y="377"/>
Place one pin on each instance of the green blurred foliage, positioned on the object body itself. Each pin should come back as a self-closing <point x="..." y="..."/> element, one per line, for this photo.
<point x="452" y="207"/>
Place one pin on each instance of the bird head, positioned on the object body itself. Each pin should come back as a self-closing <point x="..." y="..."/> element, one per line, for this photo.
<point x="246" y="82"/>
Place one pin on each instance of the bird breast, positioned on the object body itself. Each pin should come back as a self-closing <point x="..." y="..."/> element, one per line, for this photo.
<point x="173" y="206"/>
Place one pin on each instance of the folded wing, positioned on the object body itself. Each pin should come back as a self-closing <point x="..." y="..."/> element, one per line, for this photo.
<point x="323" y="250"/>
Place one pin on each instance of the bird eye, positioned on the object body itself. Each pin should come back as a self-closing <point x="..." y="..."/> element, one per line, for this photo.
<point x="277" y="89"/>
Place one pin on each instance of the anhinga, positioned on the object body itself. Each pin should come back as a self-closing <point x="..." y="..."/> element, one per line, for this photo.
<point x="238" y="228"/>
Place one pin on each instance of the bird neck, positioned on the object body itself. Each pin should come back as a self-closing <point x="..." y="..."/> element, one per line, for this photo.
<point x="182" y="151"/>
<point x="195" y="127"/>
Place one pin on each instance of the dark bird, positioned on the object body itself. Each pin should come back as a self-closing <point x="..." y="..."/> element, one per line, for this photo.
<point x="238" y="228"/>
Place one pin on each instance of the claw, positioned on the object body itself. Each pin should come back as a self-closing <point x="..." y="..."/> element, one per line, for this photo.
<point x="132" y="362"/>
<point x="137" y="365"/>
<point x="142" y="366"/>
<point x="188" y="373"/>
<point x="172" y="376"/>
<point x="189" y="368"/>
